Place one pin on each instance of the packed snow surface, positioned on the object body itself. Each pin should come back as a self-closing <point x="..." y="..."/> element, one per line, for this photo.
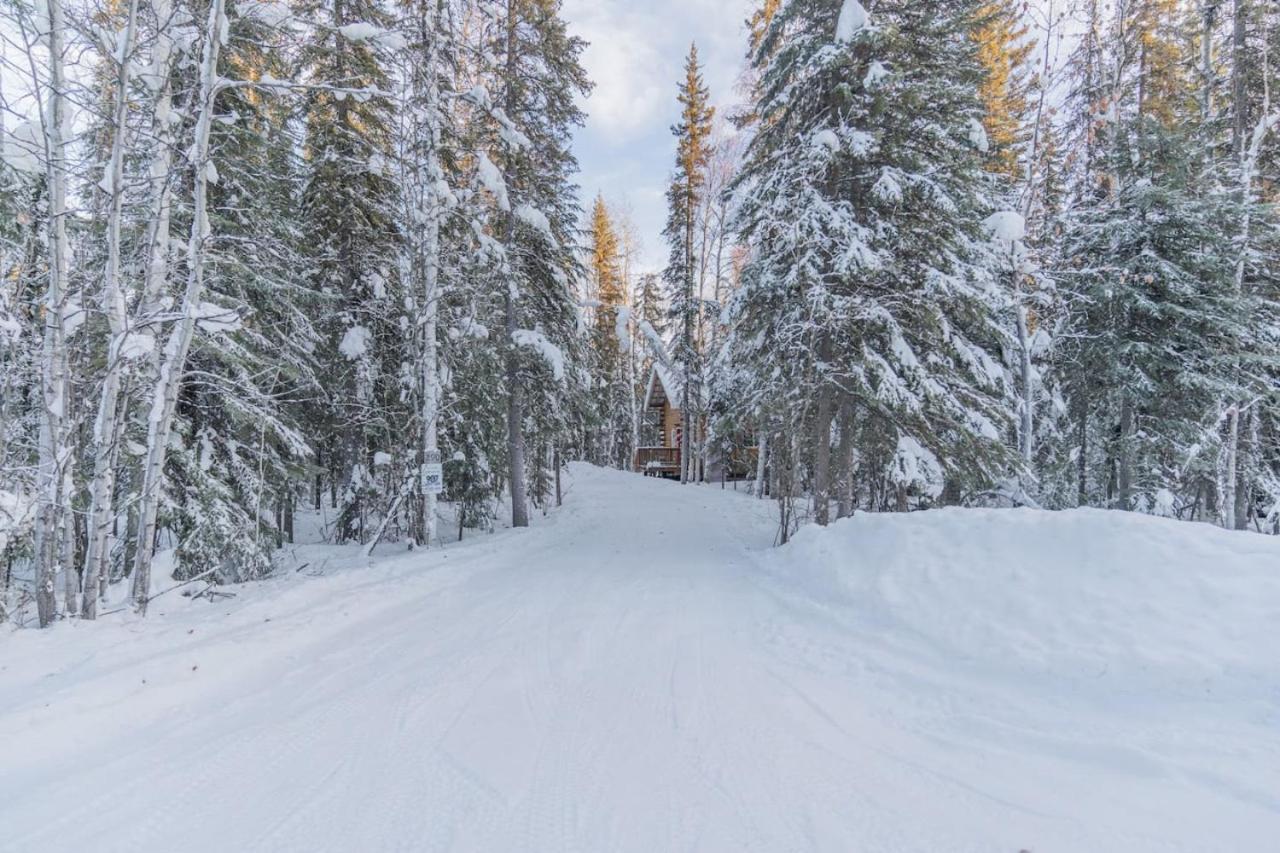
<point x="642" y="672"/>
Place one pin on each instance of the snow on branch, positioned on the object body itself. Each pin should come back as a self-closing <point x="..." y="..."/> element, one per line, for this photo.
<point x="978" y="135"/>
<point x="620" y="328"/>
<point x="491" y="178"/>
<point x="853" y="19"/>
<point x="1006" y="226"/>
<point x="214" y="318"/>
<point x="656" y="344"/>
<point x="549" y="351"/>
<point x="915" y="465"/>
<point x="537" y="220"/>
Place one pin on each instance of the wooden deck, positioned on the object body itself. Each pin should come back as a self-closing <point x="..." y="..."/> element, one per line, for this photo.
<point x="658" y="461"/>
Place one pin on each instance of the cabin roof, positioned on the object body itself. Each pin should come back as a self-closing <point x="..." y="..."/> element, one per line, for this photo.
<point x="666" y="386"/>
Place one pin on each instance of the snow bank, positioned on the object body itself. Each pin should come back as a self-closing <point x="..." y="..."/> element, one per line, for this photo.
<point x="1118" y="601"/>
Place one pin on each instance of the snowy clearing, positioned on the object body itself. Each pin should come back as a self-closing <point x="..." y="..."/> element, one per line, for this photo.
<point x="641" y="672"/>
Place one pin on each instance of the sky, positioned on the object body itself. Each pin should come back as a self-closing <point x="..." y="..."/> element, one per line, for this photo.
<point x="636" y="58"/>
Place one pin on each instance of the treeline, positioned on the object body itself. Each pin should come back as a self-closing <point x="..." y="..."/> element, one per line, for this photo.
<point x="981" y="272"/>
<point x="261" y="256"/>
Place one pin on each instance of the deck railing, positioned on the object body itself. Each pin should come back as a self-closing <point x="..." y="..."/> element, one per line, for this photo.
<point x="657" y="460"/>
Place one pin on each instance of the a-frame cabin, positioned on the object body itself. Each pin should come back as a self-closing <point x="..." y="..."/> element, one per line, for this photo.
<point x="662" y="426"/>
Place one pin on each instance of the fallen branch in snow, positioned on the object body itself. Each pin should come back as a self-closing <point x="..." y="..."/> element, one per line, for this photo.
<point x="382" y="528"/>
<point x="200" y="576"/>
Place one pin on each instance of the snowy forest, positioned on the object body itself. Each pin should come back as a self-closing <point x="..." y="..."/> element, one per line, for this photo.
<point x="267" y="260"/>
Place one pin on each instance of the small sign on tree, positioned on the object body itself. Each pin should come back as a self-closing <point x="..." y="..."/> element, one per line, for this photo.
<point x="432" y="472"/>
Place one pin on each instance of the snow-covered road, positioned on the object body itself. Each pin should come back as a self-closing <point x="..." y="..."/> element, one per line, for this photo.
<point x="624" y="677"/>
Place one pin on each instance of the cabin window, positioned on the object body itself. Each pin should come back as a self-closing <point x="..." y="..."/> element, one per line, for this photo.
<point x="651" y="428"/>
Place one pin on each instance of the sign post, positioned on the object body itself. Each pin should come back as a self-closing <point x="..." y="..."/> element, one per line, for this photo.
<point x="432" y="472"/>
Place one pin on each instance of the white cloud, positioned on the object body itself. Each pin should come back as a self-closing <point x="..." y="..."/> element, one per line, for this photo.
<point x="636" y="59"/>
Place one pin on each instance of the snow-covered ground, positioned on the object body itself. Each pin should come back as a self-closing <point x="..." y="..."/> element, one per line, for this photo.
<point x="641" y="672"/>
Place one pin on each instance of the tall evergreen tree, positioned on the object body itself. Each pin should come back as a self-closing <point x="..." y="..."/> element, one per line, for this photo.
<point x="684" y="197"/>
<point x="348" y="207"/>
<point x="1003" y="50"/>
<point x="869" y="290"/>
<point x="610" y="342"/>
<point x="1160" y="344"/>
<point x="537" y="78"/>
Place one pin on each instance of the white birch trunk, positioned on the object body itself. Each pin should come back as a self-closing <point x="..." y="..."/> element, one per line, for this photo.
<point x="762" y="452"/>
<point x="1027" y="377"/>
<point x="631" y="398"/>
<point x="101" y="511"/>
<point x="1026" y="369"/>
<point x="165" y="395"/>
<point x="429" y="82"/>
<point x="161" y="165"/>
<point x="1249" y="150"/>
<point x="52" y="451"/>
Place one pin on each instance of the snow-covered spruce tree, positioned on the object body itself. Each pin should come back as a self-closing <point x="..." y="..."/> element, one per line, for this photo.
<point x="1018" y="151"/>
<point x="1248" y="469"/>
<point x="1153" y="326"/>
<point x="428" y="143"/>
<point x="348" y="212"/>
<point x="536" y="76"/>
<point x="612" y="390"/>
<point x="1003" y="50"/>
<point x="233" y="487"/>
<point x="684" y="199"/>
<point x="19" y="252"/>
<point x="1158" y="339"/>
<point x="649" y="305"/>
<point x="869" y="289"/>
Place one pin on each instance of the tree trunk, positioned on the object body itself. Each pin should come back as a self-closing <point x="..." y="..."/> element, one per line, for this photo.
<point x="1124" y="474"/>
<point x="1239" y="124"/>
<point x="559" y="491"/>
<point x="845" y="459"/>
<point x="1027" y="436"/>
<point x="101" y="510"/>
<point x="687" y="418"/>
<point x="428" y="84"/>
<point x="165" y="397"/>
<point x="53" y="453"/>
<point x="1229" y="480"/>
<point x="822" y="439"/>
<point x="515" y="393"/>
<point x="1082" y="462"/>
<point x="762" y="453"/>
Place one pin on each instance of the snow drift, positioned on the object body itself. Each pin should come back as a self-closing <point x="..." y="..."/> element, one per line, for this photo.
<point x="1128" y="600"/>
<point x="641" y="671"/>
